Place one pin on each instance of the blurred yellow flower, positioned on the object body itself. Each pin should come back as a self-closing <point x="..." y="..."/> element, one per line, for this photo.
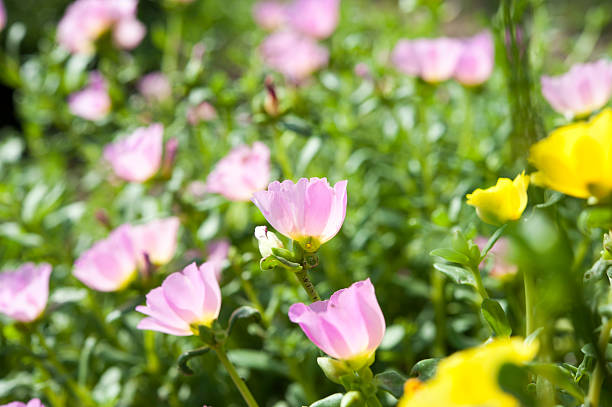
<point x="577" y="159"/>
<point x="469" y="377"/>
<point x="503" y="202"/>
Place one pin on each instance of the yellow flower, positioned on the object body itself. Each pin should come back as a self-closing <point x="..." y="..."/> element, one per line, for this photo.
<point x="577" y="159"/>
<point x="503" y="202"/>
<point x="469" y="377"/>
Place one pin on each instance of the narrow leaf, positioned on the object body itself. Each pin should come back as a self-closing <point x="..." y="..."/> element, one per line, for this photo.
<point x="495" y="317"/>
<point x="458" y="274"/>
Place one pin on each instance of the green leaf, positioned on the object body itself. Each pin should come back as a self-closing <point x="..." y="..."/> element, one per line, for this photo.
<point x="425" y="369"/>
<point x="187" y="356"/>
<point x="460" y="243"/>
<point x="458" y="274"/>
<point x="329" y="401"/>
<point x="552" y="199"/>
<point x="514" y="380"/>
<point x="352" y="399"/>
<point x="559" y="376"/>
<point x="595" y="217"/>
<point x="491" y="242"/>
<point x="450" y="255"/>
<point x="391" y="381"/>
<point x="495" y="317"/>
<point x="244" y="312"/>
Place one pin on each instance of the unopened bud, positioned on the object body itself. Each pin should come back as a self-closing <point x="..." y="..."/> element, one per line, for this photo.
<point x="271" y="101"/>
<point x="169" y="156"/>
<point x="267" y="240"/>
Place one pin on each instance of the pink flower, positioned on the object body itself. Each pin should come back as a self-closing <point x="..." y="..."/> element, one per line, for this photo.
<point x="270" y="14"/>
<point x="310" y="212"/>
<point x="585" y="88"/>
<point x="86" y="20"/>
<point x="240" y="173"/>
<point x="314" y="18"/>
<point x="110" y="264"/>
<point x="349" y="326"/>
<point x="294" y="55"/>
<point x="475" y="64"/>
<point x="128" y="33"/>
<point x="137" y="157"/>
<point x="201" y="113"/>
<point x="2" y="16"/>
<point x="155" y="87"/>
<point x="157" y="239"/>
<point x="184" y="301"/>
<point x="499" y="256"/>
<point x="24" y="292"/>
<point x="216" y="255"/>
<point x="92" y="102"/>
<point x="433" y="60"/>
<point x="31" y="403"/>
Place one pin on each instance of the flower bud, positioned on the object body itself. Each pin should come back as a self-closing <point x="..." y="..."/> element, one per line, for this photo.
<point x="267" y="240"/>
<point x="503" y="202"/>
<point x="352" y="399"/>
<point x="333" y="369"/>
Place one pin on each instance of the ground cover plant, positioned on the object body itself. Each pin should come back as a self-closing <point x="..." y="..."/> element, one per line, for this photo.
<point x="324" y="203"/>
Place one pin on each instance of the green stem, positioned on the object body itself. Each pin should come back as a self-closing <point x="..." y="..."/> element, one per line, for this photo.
<point x="310" y="289"/>
<point x="479" y="286"/>
<point x="437" y="297"/>
<point x="529" y="302"/>
<point x="281" y="154"/>
<point x="173" y="41"/>
<point x="240" y="384"/>
<point x="599" y="372"/>
<point x="252" y="296"/>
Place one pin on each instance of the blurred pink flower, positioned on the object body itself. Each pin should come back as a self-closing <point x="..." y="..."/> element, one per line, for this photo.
<point x="184" y="301"/>
<point x="270" y="14"/>
<point x="137" y="157"/>
<point x="201" y="113"/>
<point x="128" y="33"/>
<point x="240" y="173"/>
<point x="349" y="326"/>
<point x="363" y="70"/>
<point x="582" y="90"/>
<point x="155" y="87"/>
<point x="499" y="255"/>
<point x="433" y="60"/>
<point x="31" y="403"/>
<point x="86" y="20"/>
<point x="475" y="64"/>
<point x="216" y="255"/>
<point x="157" y="239"/>
<point x="24" y="292"/>
<point x="295" y="56"/>
<point x="2" y="16"/>
<point x="110" y="264"/>
<point x="92" y="102"/>
<point x="314" y="18"/>
<point x="310" y="212"/>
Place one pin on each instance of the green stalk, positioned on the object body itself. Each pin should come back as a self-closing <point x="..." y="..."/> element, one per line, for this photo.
<point x="599" y="372"/>
<point x="529" y="302"/>
<point x="437" y="297"/>
<point x="240" y="384"/>
<point x="479" y="286"/>
<point x="281" y="154"/>
<point x="310" y="289"/>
